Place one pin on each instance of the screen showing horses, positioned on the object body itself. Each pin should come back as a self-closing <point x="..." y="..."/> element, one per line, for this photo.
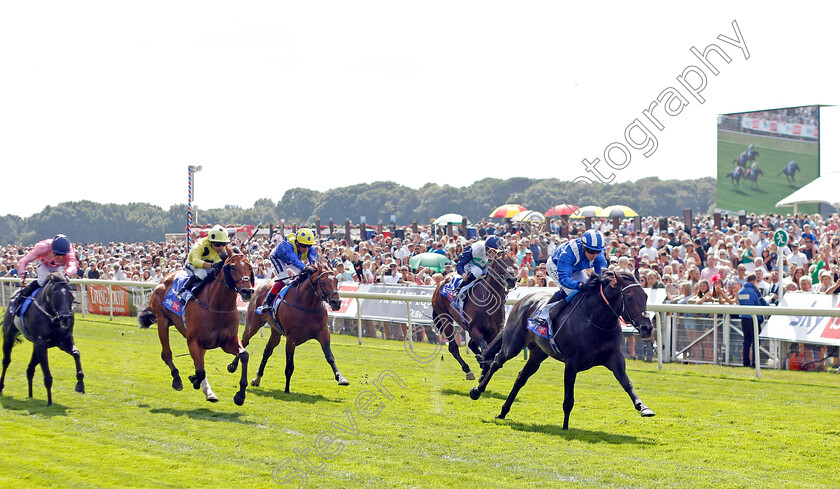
<point x="764" y="156"/>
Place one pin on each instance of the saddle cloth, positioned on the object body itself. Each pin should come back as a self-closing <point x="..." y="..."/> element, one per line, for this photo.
<point x="277" y="300"/>
<point x="448" y="291"/>
<point x="170" y="300"/>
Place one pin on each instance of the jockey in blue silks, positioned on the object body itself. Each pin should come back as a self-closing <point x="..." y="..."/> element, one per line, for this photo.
<point x="290" y="254"/>
<point x="472" y="263"/>
<point x="566" y="267"/>
<point x="789" y="167"/>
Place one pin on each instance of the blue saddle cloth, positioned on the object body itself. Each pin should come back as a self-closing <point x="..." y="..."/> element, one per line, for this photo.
<point x="448" y="291"/>
<point x="537" y="329"/>
<point x="277" y="300"/>
<point x="20" y="311"/>
<point x="170" y="300"/>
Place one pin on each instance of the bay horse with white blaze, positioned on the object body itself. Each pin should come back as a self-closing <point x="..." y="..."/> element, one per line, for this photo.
<point x="590" y="336"/>
<point x="211" y="320"/>
<point x="301" y="316"/>
<point x="47" y="322"/>
<point x="483" y="313"/>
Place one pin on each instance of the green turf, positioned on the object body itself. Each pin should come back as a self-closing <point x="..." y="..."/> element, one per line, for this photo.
<point x="774" y="154"/>
<point x="715" y="426"/>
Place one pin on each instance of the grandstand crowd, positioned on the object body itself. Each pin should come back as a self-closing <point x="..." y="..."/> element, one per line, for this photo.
<point x="695" y="263"/>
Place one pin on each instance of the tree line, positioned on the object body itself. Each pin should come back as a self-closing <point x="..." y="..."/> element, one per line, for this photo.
<point x="88" y="221"/>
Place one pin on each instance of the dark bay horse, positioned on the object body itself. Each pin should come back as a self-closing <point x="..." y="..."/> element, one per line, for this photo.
<point x="790" y="170"/>
<point x="484" y="308"/>
<point x="301" y="316"/>
<point x="736" y="175"/>
<point x="591" y="336"/>
<point x="752" y="175"/>
<point x="48" y="322"/>
<point x="211" y="320"/>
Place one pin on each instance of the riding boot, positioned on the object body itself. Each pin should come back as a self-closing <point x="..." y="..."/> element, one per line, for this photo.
<point x="188" y="285"/>
<point x="457" y="291"/>
<point x="549" y="312"/>
<point x="269" y="301"/>
<point x="25" y="292"/>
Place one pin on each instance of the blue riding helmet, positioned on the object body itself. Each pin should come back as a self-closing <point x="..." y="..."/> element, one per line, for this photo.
<point x="493" y="242"/>
<point x="593" y="239"/>
<point x="60" y="245"/>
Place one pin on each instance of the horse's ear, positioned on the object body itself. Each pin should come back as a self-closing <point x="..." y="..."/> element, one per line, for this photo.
<point x="613" y="278"/>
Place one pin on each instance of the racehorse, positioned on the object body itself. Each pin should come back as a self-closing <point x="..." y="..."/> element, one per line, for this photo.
<point x="47" y="322"/>
<point x="736" y="175"/>
<point x="741" y="160"/>
<point x="752" y="175"/>
<point x="211" y="320"/>
<point x="790" y="170"/>
<point x="752" y="155"/>
<point x="591" y="336"/>
<point x="301" y="316"/>
<point x="484" y="308"/>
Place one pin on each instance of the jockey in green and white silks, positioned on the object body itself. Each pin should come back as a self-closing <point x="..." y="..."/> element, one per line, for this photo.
<point x="472" y="263"/>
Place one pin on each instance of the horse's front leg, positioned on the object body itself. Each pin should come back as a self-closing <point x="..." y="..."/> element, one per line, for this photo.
<point x="199" y="380"/>
<point x="40" y="351"/>
<point x="477" y="346"/>
<point x="617" y="365"/>
<point x="531" y="366"/>
<point x="324" y="339"/>
<point x="235" y="348"/>
<point x="447" y="328"/>
<point x="569" y="377"/>
<point x="70" y="348"/>
<point x="290" y="361"/>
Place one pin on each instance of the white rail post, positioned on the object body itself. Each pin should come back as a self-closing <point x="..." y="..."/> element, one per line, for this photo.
<point x="659" y="339"/>
<point x="359" y="318"/>
<point x="410" y="328"/>
<point x="756" y="346"/>
<point x="111" y="301"/>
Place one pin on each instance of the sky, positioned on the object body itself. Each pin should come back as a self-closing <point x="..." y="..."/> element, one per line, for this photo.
<point x="111" y="101"/>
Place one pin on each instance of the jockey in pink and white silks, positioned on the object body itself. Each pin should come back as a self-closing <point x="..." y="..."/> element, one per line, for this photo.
<point x="50" y="255"/>
<point x="567" y="267"/>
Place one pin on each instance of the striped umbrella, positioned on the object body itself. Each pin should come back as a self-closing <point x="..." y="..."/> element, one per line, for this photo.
<point x="617" y="211"/>
<point x="586" y="211"/>
<point x="528" y="216"/>
<point x="507" y="211"/>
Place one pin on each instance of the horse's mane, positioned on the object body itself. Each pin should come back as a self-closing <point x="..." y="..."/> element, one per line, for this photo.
<point x="606" y="277"/>
<point x="57" y="277"/>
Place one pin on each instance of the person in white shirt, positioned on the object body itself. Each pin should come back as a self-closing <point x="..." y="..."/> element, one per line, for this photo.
<point x="649" y="251"/>
<point x="118" y="273"/>
<point x="797" y="258"/>
<point x="392" y="276"/>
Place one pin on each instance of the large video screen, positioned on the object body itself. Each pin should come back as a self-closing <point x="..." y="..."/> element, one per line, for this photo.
<point x="765" y="156"/>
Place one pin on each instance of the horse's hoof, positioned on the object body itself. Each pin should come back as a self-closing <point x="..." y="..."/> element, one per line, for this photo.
<point x="647" y="412"/>
<point x="470" y="376"/>
<point x="80" y="388"/>
<point x="177" y="384"/>
<point x="232" y="367"/>
<point x="474" y="394"/>
<point x="239" y="400"/>
<point x="342" y="381"/>
<point x="255" y="382"/>
<point x="196" y="384"/>
<point x="501" y="416"/>
<point x="213" y="398"/>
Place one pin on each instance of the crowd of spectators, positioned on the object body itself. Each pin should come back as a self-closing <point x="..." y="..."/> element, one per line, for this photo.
<point x="693" y="263"/>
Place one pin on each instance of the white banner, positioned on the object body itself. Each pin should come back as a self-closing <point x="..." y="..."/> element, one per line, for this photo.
<point x="805" y="329"/>
<point x="783" y="128"/>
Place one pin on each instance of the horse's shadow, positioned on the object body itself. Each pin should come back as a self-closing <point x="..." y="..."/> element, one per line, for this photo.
<point x="575" y="434"/>
<point x="487" y="393"/>
<point x="740" y="192"/>
<point x="204" y="414"/>
<point x="280" y="395"/>
<point x="33" y="406"/>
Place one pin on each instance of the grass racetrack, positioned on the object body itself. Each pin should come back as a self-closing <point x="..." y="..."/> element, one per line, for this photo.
<point x="714" y="426"/>
<point x="774" y="153"/>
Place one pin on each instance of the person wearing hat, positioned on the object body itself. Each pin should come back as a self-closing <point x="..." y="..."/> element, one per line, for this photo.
<point x="290" y="255"/>
<point x="472" y="263"/>
<point x="796" y="257"/>
<point x="50" y="255"/>
<point x="566" y="267"/>
<point x="208" y="251"/>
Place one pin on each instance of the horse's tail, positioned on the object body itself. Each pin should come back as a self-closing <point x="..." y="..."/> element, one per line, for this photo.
<point x="146" y="318"/>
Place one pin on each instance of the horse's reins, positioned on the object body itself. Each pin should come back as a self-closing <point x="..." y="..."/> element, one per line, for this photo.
<point x="52" y="317"/>
<point x="319" y="293"/>
<point x="623" y="304"/>
<point x="224" y="272"/>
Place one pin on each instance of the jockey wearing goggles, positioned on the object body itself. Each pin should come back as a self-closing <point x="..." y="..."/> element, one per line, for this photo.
<point x="566" y="267"/>
<point x="472" y="263"/>
<point x="49" y="255"/>
<point x="290" y="255"/>
<point x="206" y="252"/>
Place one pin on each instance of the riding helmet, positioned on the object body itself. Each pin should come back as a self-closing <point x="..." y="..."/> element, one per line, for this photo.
<point x="305" y="236"/>
<point x="218" y="235"/>
<point x="493" y="242"/>
<point x="593" y="239"/>
<point x="60" y="245"/>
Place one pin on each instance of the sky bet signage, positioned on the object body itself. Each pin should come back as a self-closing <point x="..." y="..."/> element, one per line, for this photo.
<point x="805" y="329"/>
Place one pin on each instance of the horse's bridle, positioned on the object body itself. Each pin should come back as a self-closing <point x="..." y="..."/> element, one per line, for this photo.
<point x="319" y="291"/>
<point x="226" y="277"/>
<point x="495" y="255"/>
<point x="632" y="319"/>
<point x="55" y="316"/>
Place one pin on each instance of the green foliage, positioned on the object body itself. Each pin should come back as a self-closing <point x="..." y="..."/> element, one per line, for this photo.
<point x="86" y="221"/>
<point x="714" y="426"/>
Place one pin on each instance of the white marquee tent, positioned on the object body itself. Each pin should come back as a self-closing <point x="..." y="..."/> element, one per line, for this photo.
<point x="825" y="189"/>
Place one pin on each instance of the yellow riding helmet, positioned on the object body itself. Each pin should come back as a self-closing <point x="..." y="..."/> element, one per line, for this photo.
<point x="305" y="237"/>
<point x="218" y="235"/>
